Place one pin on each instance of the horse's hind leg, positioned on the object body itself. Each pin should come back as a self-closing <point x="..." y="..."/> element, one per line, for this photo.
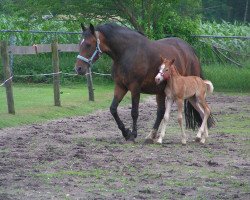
<point x="160" y="99"/>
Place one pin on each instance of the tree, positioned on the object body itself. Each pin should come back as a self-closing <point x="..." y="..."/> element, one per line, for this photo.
<point x="155" y="18"/>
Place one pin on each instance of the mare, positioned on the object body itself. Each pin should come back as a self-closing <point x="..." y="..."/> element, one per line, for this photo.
<point x="179" y="88"/>
<point x="135" y="65"/>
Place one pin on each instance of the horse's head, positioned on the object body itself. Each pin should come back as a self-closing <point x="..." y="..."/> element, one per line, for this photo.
<point x="164" y="70"/>
<point x="89" y="49"/>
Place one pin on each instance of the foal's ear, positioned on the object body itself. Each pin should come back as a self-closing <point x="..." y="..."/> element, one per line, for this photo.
<point x="92" y="29"/>
<point x="172" y="61"/>
<point x="162" y="59"/>
<point x="83" y="27"/>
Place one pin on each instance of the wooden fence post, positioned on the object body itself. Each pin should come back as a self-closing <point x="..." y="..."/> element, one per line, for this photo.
<point x="7" y="75"/>
<point x="90" y="85"/>
<point x="56" y="76"/>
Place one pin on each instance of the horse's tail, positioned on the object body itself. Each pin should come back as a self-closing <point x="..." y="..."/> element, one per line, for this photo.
<point x="210" y="87"/>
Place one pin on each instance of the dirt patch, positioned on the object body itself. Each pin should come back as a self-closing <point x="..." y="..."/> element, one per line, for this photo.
<point x="87" y="158"/>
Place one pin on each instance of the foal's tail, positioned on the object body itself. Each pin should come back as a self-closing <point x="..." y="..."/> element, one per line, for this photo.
<point x="210" y="87"/>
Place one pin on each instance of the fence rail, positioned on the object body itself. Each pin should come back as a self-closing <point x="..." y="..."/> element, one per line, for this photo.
<point x="53" y="48"/>
<point x="41" y="48"/>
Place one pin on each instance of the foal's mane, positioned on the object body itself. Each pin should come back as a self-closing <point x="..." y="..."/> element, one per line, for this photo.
<point x="174" y="70"/>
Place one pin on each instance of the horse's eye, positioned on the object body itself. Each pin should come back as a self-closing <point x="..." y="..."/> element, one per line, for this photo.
<point x="88" y="45"/>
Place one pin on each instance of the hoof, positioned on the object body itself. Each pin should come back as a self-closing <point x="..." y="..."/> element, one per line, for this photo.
<point x="158" y="143"/>
<point x="197" y="139"/>
<point x="149" y="141"/>
<point x="130" y="138"/>
<point x="202" y="141"/>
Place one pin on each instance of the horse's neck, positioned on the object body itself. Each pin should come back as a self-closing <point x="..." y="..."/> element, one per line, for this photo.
<point x="174" y="71"/>
<point x="125" y="42"/>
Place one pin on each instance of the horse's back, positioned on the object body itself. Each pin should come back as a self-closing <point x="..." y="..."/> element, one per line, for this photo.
<point x="186" y="60"/>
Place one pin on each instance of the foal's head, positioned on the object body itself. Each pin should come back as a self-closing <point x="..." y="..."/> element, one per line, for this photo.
<point x="164" y="70"/>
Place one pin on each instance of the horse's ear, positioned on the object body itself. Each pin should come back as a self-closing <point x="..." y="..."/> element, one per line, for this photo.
<point x="172" y="61"/>
<point x="92" y="29"/>
<point x="83" y="27"/>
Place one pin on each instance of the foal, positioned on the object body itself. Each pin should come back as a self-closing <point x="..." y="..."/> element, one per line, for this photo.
<point x="179" y="88"/>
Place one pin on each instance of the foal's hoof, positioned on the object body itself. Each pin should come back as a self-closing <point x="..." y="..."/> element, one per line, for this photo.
<point x="184" y="142"/>
<point x="203" y="141"/>
<point x="149" y="141"/>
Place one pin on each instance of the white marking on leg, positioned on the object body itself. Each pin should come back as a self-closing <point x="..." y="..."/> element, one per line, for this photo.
<point x="162" y="127"/>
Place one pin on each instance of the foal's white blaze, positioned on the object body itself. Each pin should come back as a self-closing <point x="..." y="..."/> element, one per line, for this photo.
<point x="159" y="77"/>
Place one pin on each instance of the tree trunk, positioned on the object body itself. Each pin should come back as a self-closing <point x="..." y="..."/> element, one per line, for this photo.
<point x="245" y="14"/>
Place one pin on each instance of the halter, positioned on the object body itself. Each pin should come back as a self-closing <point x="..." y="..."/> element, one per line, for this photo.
<point x="97" y="50"/>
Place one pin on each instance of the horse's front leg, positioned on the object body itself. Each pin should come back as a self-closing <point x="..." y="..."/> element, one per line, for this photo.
<point x="179" y="102"/>
<point x="135" y="94"/>
<point x="119" y="93"/>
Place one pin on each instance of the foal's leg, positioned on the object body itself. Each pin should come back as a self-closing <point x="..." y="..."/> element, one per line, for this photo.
<point x="195" y="103"/>
<point x="203" y="129"/>
<point x="206" y="116"/>
<point x="160" y="99"/>
<point x="162" y="127"/>
<point x="180" y="106"/>
<point x="193" y="100"/>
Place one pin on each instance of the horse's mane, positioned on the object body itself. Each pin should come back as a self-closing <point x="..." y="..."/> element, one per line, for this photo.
<point x="115" y="34"/>
<point x="109" y="28"/>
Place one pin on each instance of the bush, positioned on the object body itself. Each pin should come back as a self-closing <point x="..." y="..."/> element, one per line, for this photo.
<point x="238" y="49"/>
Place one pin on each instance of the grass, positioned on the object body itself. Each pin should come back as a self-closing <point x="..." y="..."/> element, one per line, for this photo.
<point x="34" y="102"/>
<point x="228" y="77"/>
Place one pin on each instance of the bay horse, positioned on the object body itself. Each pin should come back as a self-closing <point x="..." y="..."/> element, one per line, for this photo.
<point x="179" y="88"/>
<point x="135" y="65"/>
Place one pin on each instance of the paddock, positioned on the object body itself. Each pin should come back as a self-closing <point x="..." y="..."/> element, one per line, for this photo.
<point x="86" y="157"/>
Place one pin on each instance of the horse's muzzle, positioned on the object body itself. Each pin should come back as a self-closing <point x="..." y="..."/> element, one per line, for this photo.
<point x="158" y="79"/>
<point x="79" y="70"/>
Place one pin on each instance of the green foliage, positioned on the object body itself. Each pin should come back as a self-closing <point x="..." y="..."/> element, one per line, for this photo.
<point x="238" y="49"/>
<point x="26" y="38"/>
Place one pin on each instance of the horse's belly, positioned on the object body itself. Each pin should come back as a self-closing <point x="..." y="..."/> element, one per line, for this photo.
<point x="153" y="88"/>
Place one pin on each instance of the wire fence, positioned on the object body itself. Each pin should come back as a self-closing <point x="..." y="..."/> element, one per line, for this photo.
<point x="49" y="74"/>
<point x="29" y="71"/>
<point x="218" y="49"/>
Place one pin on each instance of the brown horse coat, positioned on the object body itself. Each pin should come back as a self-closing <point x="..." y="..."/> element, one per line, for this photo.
<point x="136" y="60"/>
